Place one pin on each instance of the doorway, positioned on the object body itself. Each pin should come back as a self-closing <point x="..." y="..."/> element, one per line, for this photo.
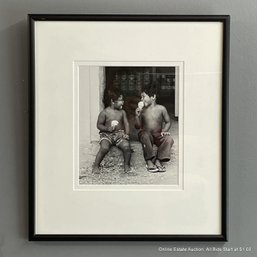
<point x="130" y="81"/>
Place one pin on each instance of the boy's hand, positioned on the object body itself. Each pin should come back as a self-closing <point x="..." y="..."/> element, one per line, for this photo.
<point x="165" y="133"/>
<point x="126" y="136"/>
<point x="138" y="112"/>
<point x="111" y="129"/>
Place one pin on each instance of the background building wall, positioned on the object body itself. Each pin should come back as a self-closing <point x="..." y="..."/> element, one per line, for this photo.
<point x="242" y="208"/>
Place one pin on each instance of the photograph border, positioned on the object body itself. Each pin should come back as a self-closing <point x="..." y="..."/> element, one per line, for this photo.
<point x="180" y="65"/>
<point x="225" y="20"/>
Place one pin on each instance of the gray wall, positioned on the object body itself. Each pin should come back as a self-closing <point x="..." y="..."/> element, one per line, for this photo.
<point x="14" y="125"/>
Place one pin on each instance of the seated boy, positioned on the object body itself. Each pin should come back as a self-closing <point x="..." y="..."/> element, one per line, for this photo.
<point x="114" y="129"/>
<point x="150" y="118"/>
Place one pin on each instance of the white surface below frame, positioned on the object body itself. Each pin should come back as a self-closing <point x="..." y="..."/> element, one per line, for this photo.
<point x="196" y="210"/>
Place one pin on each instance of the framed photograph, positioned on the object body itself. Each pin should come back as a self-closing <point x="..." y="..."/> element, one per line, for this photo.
<point x="128" y="127"/>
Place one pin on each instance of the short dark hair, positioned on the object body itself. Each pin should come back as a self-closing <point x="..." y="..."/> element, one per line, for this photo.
<point x="150" y="90"/>
<point x="110" y="95"/>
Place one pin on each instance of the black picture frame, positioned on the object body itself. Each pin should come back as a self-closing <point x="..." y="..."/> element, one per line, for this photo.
<point x="33" y="235"/>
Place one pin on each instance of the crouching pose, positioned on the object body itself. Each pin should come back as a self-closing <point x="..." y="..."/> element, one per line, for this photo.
<point x="114" y="129"/>
<point x="154" y="123"/>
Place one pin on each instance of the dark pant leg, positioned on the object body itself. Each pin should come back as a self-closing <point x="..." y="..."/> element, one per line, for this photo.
<point x="146" y="140"/>
<point x="164" y="144"/>
<point x="124" y="146"/>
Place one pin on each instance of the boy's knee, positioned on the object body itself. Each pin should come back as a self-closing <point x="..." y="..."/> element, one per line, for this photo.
<point x="144" y="135"/>
<point x="105" y="148"/>
<point x="169" y="140"/>
<point x="125" y="148"/>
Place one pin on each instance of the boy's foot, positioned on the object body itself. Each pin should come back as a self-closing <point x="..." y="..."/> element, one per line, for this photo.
<point x="127" y="168"/>
<point x="150" y="166"/>
<point x="96" y="170"/>
<point x="152" y="169"/>
<point x="159" y="166"/>
<point x="128" y="171"/>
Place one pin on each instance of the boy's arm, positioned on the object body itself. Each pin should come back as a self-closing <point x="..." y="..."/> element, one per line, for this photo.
<point x="126" y="123"/>
<point x="138" y="119"/>
<point x="101" y="121"/>
<point x="167" y="121"/>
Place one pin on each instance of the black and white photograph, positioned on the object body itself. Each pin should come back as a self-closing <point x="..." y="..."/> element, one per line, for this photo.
<point x="133" y="137"/>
